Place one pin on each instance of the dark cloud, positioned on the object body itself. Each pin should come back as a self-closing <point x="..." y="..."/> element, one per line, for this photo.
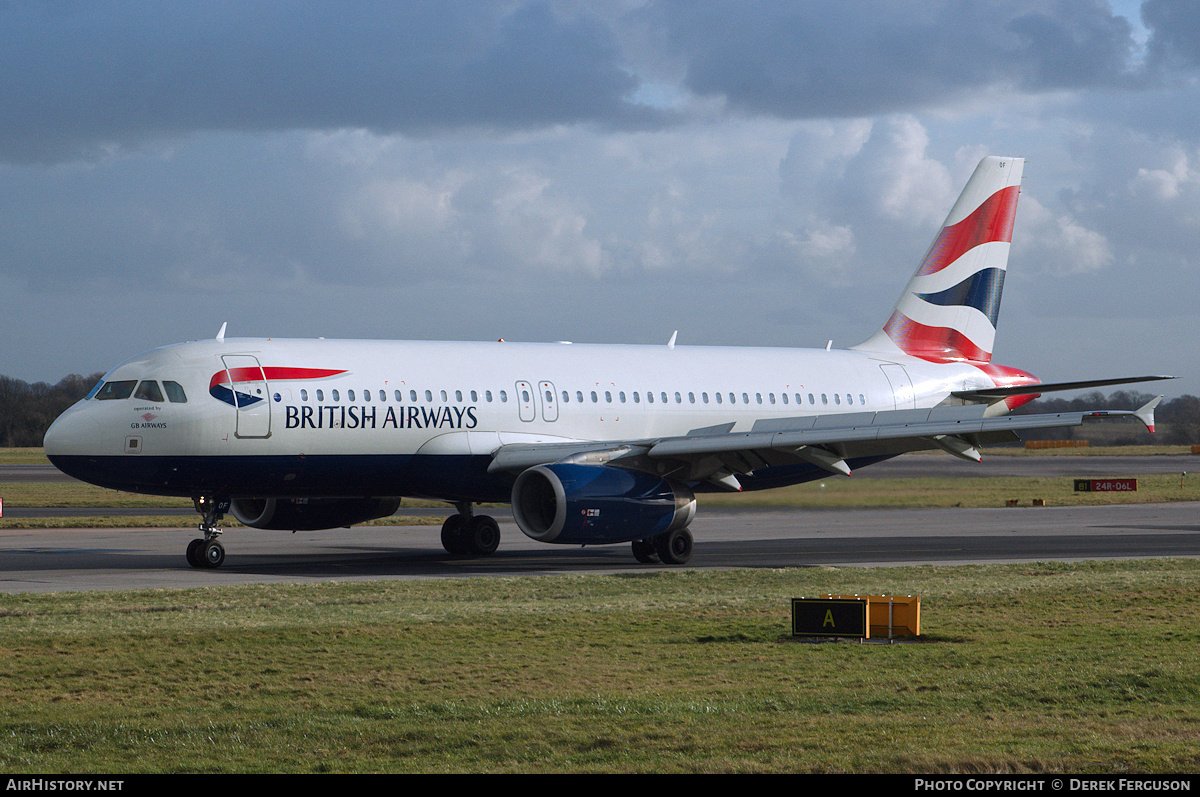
<point x="1175" y="25"/>
<point x="82" y="75"/>
<point x="801" y="60"/>
<point x="1071" y="45"/>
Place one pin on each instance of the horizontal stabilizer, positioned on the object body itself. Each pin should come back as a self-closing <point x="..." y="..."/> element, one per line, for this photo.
<point x="984" y="394"/>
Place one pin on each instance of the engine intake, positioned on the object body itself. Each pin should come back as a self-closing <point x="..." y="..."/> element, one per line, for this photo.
<point x="596" y="504"/>
<point x="309" y="514"/>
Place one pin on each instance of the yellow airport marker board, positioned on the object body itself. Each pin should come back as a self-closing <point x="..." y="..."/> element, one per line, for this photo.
<point x="857" y="616"/>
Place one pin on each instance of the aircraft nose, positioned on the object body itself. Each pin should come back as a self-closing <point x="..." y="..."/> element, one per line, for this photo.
<point x="73" y="433"/>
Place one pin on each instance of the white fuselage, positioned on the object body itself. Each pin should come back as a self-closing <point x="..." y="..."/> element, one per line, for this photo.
<point x="389" y="399"/>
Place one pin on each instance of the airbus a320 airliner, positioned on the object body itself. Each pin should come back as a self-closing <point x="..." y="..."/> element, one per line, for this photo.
<point x="591" y="444"/>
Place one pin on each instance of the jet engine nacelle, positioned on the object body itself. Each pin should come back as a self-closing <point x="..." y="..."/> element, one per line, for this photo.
<point x="308" y="514"/>
<point x="598" y="504"/>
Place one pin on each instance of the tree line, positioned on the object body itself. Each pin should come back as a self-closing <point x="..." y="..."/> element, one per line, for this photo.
<point x="27" y="410"/>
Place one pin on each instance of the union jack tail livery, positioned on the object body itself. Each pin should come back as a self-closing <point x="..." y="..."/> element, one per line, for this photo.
<point x="949" y="308"/>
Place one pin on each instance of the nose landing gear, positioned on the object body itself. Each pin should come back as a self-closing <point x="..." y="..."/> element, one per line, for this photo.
<point x="207" y="551"/>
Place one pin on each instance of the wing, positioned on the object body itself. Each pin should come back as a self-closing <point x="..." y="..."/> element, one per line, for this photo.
<point x="718" y="454"/>
<point x="991" y="394"/>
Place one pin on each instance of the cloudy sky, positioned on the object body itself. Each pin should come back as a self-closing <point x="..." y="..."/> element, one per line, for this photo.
<point x="752" y="172"/>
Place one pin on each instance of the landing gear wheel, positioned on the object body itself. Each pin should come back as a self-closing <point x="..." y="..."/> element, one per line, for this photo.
<point x="481" y="535"/>
<point x="674" y="547"/>
<point x="194" y="557"/>
<point x="644" y="552"/>
<point x="214" y="554"/>
<point x="454" y="538"/>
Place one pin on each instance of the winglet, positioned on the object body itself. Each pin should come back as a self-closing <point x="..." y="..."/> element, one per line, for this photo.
<point x="1145" y="413"/>
<point x="221" y="333"/>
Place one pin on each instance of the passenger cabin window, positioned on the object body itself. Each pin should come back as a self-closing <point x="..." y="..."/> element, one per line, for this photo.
<point x="122" y="389"/>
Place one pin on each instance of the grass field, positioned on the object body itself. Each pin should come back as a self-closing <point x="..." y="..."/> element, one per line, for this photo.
<point x="1080" y="668"/>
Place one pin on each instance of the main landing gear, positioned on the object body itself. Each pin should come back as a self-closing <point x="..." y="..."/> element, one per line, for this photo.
<point x="208" y="552"/>
<point x="468" y="534"/>
<point x="671" y="548"/>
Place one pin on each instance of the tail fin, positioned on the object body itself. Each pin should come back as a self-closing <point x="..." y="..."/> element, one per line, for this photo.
<point x="949" y="308"/>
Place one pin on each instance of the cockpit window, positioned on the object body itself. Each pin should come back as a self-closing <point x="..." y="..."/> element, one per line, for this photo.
<point x="122" y="389"/>
<point x="175" y="392"/>
<point x="149" y="390"/>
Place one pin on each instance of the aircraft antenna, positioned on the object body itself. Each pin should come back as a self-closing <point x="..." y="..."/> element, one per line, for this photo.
<point x="221" y="334"/>
<point x="671" y="342"/>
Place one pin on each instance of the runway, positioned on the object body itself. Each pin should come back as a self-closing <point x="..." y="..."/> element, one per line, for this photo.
<point x="109" y="559"/>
